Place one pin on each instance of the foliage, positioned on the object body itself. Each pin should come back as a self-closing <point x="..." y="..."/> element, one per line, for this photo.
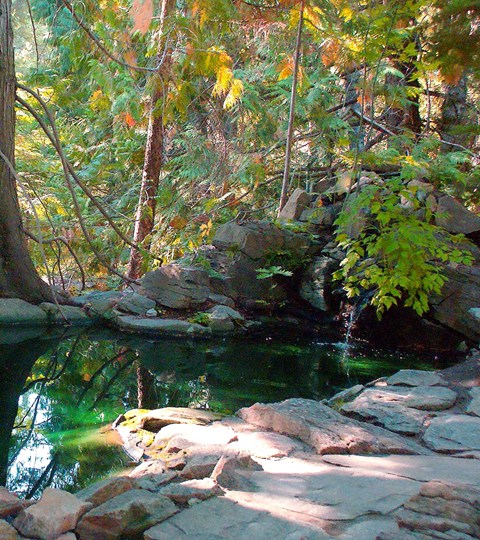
<point x="377" y="90"/>
<point x="397" y="253"/>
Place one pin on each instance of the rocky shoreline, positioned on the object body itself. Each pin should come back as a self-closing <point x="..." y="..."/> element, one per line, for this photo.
<point x="396" y="459"/>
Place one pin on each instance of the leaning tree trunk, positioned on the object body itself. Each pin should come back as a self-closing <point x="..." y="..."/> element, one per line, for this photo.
<point x="18" y="277"/>
<point x="154" y="150"/>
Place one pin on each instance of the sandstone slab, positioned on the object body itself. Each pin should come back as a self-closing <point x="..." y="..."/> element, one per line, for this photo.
<point x="420" y="468"/>
<point x="183" y="492"/>
<point x="327" y="430"/>
<point x="10" y="504"/>
<point x="157" y="419"/>
<point x="127" y="515"/>
<point x="443" y="507"/>
<point x="57" y="512"/>
<point x="266" y="445"/>
<point x="416" y="377"/>
<point x="455" y="218"/>
<point x="7" y="532"/>
<point x="105" y="490"/>
<point x="391" y="415"/>
<point x="222" y="519"/>
<point x="453" y="433"/>
<point x="295" y="205"/>
<point x="135" y="303"/>
<point x="176" y="437"/>
<point x="474" y="405"/>
<point x="315" y="286"/>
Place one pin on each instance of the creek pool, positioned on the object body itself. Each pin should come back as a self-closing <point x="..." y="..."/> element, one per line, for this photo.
<point x="59" y="393"/>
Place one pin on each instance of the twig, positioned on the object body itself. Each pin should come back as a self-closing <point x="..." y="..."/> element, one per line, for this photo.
<point x="64" y="241"/>
<point x="98" y="43"/>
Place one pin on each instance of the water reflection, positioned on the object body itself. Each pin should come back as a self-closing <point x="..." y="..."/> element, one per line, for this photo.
<point x="55" y="392"/>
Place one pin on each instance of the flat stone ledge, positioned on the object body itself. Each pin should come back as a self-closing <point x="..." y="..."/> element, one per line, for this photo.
<point x="168" y="327"/>
<point x="14" y="311"/>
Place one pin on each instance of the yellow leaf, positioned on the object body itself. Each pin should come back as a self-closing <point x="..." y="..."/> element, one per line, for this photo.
<point x="224" y="78"/>
<point x="142" y="14"/>
<point x="347" y="13"/>
<point x="234" y="94"/>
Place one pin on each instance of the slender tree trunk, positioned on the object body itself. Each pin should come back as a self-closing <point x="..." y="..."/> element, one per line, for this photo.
<point x="154" y="154"/>
<point x="18" y="277"/>
<point x="291" y="117"/>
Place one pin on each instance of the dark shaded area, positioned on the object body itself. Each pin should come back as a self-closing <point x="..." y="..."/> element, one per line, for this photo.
<point x="16" y="362"/>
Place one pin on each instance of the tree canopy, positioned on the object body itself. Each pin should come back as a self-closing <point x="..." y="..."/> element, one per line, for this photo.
<point x="188" y="105"/>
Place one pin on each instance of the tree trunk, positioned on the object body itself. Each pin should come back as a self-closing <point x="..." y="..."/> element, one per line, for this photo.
<point x="154" y="150"/>
<point x="455" y="117"/>
<point x="18" y="277"/>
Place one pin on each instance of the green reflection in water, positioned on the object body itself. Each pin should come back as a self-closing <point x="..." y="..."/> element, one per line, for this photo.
<point x="81" y="383"/>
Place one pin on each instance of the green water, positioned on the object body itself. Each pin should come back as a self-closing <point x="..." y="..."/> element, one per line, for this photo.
<point x="58" y="395"/>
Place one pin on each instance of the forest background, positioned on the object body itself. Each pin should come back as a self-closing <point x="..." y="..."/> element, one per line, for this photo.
<point x="142" y="126"/>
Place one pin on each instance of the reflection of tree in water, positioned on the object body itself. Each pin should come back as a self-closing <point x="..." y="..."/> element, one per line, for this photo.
<point x="62" y="400"/>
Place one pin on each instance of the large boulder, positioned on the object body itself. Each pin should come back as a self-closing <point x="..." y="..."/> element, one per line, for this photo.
<point x="460" y="297"/>
<point x="125" y="516"/>
<point x="57" y="512"/>
<point x="296" y="204"/>
<point x="315" y="286"/>
<point x="177" y="286"/>
<point x="455" y="218"/>
<point x="326" y="430"/>
<point x="135" y="303"/>
<point x="260" y="239"/>
<point x="10" y="504"/>
<point x="242" y="249"/>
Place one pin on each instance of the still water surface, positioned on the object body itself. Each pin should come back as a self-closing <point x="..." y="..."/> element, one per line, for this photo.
<point x="57" y="395"/>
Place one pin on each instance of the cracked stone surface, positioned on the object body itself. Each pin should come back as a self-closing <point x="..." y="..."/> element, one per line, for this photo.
<point x="326" y="430"/>
<point x="474" y="405"/>
<point x="453" y="433"/>
<point x="299" y="470"/>
<point x="416" y="377"/>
